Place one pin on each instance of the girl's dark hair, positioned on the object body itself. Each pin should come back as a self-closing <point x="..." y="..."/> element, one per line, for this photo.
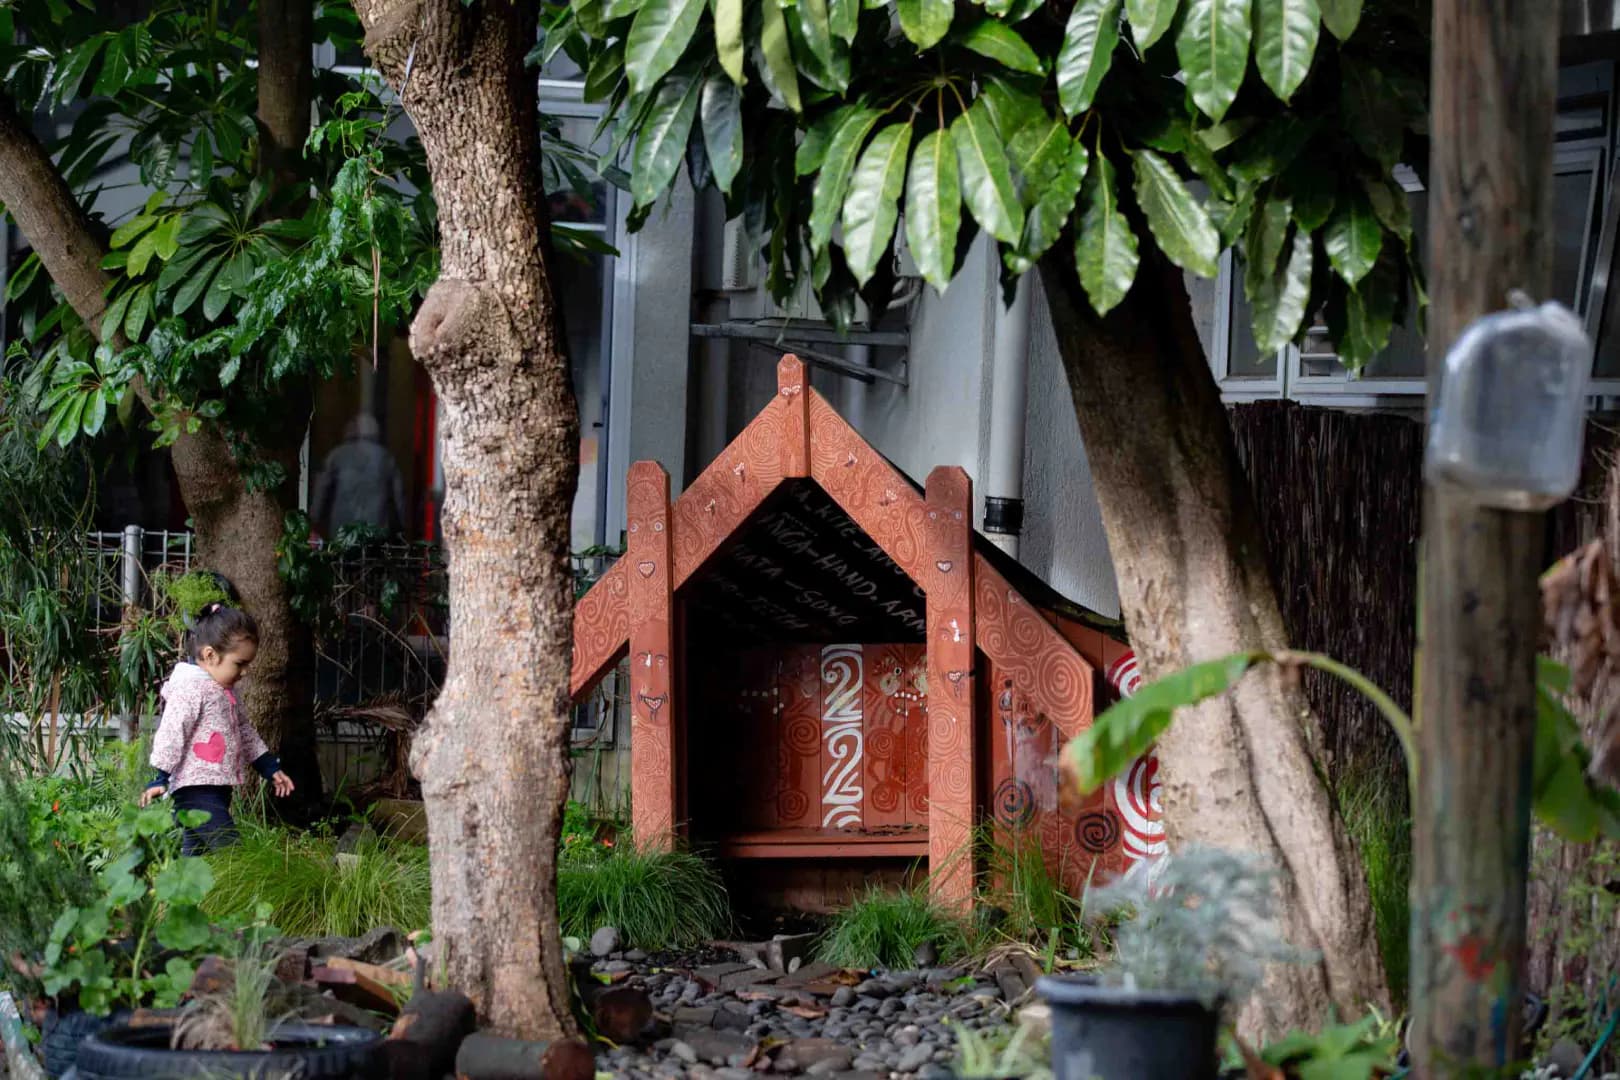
<point x="218" y="626"/>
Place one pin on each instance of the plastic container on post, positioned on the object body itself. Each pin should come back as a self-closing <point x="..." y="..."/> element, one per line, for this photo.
<point x="1109" y="1033"/>
<point x="1508" y="428"/>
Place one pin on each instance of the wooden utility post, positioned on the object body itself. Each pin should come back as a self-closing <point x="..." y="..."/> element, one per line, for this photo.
<point x="1490" y="212"/>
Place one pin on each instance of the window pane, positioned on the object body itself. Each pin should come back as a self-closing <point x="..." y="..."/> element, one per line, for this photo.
<point x="1244" y="360"/>
<point x="1407" y="356"/>
<point x="580" y="288"/>
<point x="576" y="194"/>
<point x="1572" y="207"/>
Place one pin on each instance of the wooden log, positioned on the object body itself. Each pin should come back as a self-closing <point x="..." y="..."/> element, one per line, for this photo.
<point x="428" y="1034"/>
<point x="356" y="988"/>
<point x="374" y="972"/>
<point x="621" y="1013"/>
<point x="1493" y="126"/>
<point x="490" y="1057"/>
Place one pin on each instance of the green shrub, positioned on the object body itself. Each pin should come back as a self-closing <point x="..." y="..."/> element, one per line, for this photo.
<point x="656" y="899"/>
<point x="42" y="872"/>
<point x="309" y="893"/>
<point x="1375" y="815"/>
<point x="883" y="928"/>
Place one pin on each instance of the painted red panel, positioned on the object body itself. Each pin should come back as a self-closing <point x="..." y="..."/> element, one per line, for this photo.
<point x="948" y="580"/>
<point x="798" y="754"/>
<point x="759" y="707"/>
<point x="892" y="699"/>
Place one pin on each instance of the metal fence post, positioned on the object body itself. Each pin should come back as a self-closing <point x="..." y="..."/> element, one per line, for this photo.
<point x="130" y="583"/>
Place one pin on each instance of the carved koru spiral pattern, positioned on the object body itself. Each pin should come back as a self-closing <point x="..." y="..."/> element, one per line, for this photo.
<point x="1097" y="831"/>
<point x="871" y="492"/>
<point x="1014" y="803"/>
<point x="792" y="804"/>
<point x="601" y="625"/>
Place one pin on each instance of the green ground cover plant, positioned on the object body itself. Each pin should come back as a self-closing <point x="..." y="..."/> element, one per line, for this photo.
<point x="884" y="928"/>
<point x="656" y="898"/>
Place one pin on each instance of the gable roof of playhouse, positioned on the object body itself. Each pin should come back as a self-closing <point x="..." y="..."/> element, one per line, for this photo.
<point x="800" y="530"/>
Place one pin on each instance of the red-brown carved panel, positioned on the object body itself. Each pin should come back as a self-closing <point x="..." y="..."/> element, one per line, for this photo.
<point x="876" y="497"/>
<point x="798" y="754"/>
<point x="842" y="802"/>
<point x="653" y="717"/>
<point x="759" y="732"/>
<point x="1020" y="641"/>
<point x="948" y="581"/>
<point x="793" y="389"/>
<point x="895" y="700"/>
<point x="601" y="628"/>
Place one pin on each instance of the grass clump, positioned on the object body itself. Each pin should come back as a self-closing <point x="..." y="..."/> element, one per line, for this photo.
<point x="1376" y="817"/>
<point x="883" y="928"/>
<point x="657" y="899"/>
<point x="309" y="893"/>
<point x="1018" y="881"/>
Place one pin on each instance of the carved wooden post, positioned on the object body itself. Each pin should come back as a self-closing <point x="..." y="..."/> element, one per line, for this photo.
<point x="653" y="719"/>
<point x="793" y="387"/>
<point x="951" y="697"/>
<point x="1490" y="213"/>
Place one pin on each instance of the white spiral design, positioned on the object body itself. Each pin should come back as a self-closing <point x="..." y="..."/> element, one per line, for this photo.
<point x="842" y="677"/>
<point x="1136" y="793"/>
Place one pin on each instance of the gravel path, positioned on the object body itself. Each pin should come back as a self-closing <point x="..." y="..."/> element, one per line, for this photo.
<point x="729" y="1018"/>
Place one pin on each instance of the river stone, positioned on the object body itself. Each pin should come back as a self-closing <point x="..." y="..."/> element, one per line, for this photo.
<point x="915" y="1057"/>
<point x="606" y="941"/>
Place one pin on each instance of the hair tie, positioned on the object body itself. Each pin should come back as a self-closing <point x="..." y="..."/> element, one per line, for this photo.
<point x="210" y="609"/>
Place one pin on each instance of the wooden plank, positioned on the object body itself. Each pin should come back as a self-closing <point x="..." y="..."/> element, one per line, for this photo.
<point x="841" y="795"/>
<point x="916" y="743"/>
<point x="798" y="753"/>
<point x="952" y="700"/>
<point x="653" y="720"/>
<point x="887" y="677"/>
<point x="792" y="387"/>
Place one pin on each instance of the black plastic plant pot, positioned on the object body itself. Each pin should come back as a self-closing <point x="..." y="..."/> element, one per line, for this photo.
<point x="306" y="1051"/>
<point x="64" y="1031"/>
<point x="1108" y="1033"/>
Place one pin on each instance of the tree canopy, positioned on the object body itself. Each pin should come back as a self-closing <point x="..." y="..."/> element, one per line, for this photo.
<point x="1268" y="126"/>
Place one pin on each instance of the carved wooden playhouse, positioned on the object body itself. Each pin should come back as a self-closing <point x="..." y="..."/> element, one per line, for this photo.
<point x="833" y="677"/>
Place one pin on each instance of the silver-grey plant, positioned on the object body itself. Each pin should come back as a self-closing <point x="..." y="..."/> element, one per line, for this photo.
<point x="1204" y="924"/>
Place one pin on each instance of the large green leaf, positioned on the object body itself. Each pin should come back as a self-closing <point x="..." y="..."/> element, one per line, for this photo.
<point x="1353" y="238"/>
<point x="1389" y="205"/>
<point x="1012" y="107"/>
<point x="1104" y="245"/>
<point x="1213" y="47"/>
<point x="816" y="31"/>
<point x="990" y="38"/>
<point x="728" y="38"/>
<point x="1038" y="151"/>
<point x="1285" y="34"/>
<point x="987" y="183"/>
<point x="662" y="140"/>
<point x="1369" y="315"/>
<point x="1053" y="208"/>
<point x="832" y="181"/>
<point x="721" y="111"/>
<point x="1279" y="299"/>
<point x="778" y="55"/>
<point x="194" y="286"/>
<point x="605" y="74"/>
<point x="1149" y="20"/>
<point x="1267" y="233"/>
<point x="934" y="207"/>
<point x="925" y="22"/>
<point x="1371" y="113"/>
<point x="660" y="33"/>
<point x="1313" y="186"/>
<point x="1341" y="17"/>
<point x="1088" y="49"/>
<point x="1181" y="226"/>
<point x="845" y="17"/>
<point x="812" y="149"/>
<point x="135" y="226"/>
<point x="873" y="203"/>
<point x="1129" y="728"/>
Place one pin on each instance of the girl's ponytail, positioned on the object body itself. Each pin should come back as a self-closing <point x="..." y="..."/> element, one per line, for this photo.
<point x="217" y="626"/>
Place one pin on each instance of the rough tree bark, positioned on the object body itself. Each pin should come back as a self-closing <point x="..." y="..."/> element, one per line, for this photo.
<point x="1194" y="585"/>
<point x="493" y="757"/>
<point x="237" y="530"/>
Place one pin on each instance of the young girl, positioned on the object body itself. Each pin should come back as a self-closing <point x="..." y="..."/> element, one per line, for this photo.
<point x="204" y="741"/>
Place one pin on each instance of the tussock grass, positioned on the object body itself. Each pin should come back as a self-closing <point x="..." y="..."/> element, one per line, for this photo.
<point x="657" y="899"/>
<point x="1376" y="816"/>
<point x="883" y="928"/>
<point x="310" y="894"/>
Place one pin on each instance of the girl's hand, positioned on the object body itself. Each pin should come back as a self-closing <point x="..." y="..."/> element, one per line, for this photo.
<point x="282" y="784"/>
<point x="154" y="792"/>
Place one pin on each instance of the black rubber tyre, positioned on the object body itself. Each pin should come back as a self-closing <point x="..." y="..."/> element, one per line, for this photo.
<point x="65" y="1031"/>
<point x="303" y="1052"/>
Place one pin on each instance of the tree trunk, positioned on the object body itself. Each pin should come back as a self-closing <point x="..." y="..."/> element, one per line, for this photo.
<point x="1194" y="585"/>
<point x="237" y="530"/>
<point x="493" y="756"/>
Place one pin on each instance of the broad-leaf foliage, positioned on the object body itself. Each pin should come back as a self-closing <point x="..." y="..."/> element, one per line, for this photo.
<point x="1191" y="125"/>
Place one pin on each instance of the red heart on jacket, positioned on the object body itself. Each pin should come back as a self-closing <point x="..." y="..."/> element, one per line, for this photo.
<point x="213" y="750"/>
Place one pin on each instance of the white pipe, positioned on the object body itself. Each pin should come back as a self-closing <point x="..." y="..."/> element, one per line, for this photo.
<point x="855" y="393"/>
<point x="1009" y="398"/>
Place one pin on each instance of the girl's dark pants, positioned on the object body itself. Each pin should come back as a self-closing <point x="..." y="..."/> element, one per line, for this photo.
<point x="219" y="830"/>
